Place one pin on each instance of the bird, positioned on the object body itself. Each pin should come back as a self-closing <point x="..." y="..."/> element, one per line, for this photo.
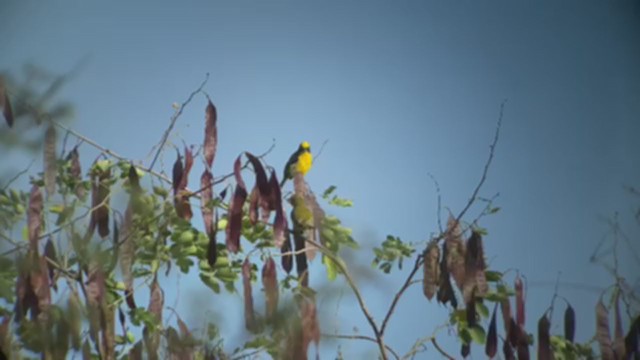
<point x="299" y="162"/>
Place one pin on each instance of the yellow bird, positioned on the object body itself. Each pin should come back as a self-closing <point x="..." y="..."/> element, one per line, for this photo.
<point x="299" y="162"/>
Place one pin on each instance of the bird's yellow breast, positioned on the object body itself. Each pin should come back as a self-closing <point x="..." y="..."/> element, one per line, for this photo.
<point x="305" y="160"/>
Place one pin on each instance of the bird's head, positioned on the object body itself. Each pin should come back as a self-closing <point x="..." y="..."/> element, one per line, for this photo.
<point x="305" y="146"/>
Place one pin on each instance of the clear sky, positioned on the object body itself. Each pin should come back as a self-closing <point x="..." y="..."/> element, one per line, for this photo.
<point x="399" y="89"/>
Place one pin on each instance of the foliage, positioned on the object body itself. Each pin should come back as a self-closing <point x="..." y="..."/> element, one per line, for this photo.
<point x="71" y="284"/>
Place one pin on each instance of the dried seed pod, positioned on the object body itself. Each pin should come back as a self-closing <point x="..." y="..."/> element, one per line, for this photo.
<point x="569" y="323"/>
<point x="280" y="221"/>
<point x="475" y="279"/>
<point x="287" y="258"/>
<point x="156" y="304"/>
<point x="507" y="350"/>
<point x="618" y="339"/>
<point x="100" y="193"/>
<point x="75" y="172"/>
<point x="49" y="160"/>
<point x="445" y="288"/>
<point x="431" y="270"/>
<point x="249" y="316"/>
<point x="544" y="339"/>
<point x="491" y="346"/>
<point x="5" y="104"/>
<point x="181" y="199"/>
<point x="270" y="283"/>
<point x="234" y="225"/>
<point x="50" y="253"/>
<point x="210" y="133"/>
<point x="34" y="217"/>
<point x="603" y="336"/>
<point x="505" y="308"/>
<point x="455" y="252"/>
<point x="310" y="325"/>
<point x="520" y="315"/>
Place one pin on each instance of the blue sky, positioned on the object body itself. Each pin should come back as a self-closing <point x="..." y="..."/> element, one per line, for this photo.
<point x="399" y="90"/>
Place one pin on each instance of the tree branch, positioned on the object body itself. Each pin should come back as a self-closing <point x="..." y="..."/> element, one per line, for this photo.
<point x="361" y="337"/>
<point x="357" y="293"/>
<point x="485" y="171"/>
<point x="440" y="350"/>
<point x="400" y="292"/>
<point x="471" y="201"/>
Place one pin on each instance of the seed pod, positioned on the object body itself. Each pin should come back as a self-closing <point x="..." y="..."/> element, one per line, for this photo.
<point x="491" y="347"/>
<point x="210" y="133"/>
<point x="544" y="339"/>
<point x="569" y="323"/>
<point x="270" y="283"/>
<point x="603" y="336"/>
<point x="34" y="217"/>
<point x="519" y="301"/>
<point x="234" y="225"/>
<point x="49" y="160"/>
<point x="249" y="317"/>
<point x="455" y="254"/>
<point x="431" y="270"/>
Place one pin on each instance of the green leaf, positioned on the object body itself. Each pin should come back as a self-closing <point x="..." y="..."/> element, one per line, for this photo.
<point x="211" y="282"/>
<point x="257" y="342"/>
<point x="344" y="203"/>
<point x="4" y="200"/>
<point x="332" y="268"/>
<point x="477" y="334"/>
<point x="504" y="290"/>
<point x="393" y="250"/>
<point x="65" y="214"/>
<point x="464" y="334"/>
<point x="160" y="191"/>
<point x="328" y="192"/>
<point x="335" y="200"/>
<point x="493" y="276"/>
<point x="140" y="316"/>
<point x="103" y="165"/>
<point x="56" y="209"/>
<point x="212" y="331"/>
<point x="184" y="264"/>
<point x="25" y="233"/>
<point x="458" y="316"/>
<point x="482" y="309"/>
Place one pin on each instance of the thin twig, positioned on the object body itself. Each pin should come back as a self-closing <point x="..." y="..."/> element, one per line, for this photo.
<point x="485" y="171"/>
<point x="441" y="350"/>
<point x="248" y="355"/>
<point x="420" y="342"/>
<point x="174" y="118"/>
<point x="95" y="144"/>
<point x="555" y="296"/>
<point x="439" y="200"/>
<point x="315" y="158"/>
<point x="16" y="176"/>
<point x="361" y="337"/>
